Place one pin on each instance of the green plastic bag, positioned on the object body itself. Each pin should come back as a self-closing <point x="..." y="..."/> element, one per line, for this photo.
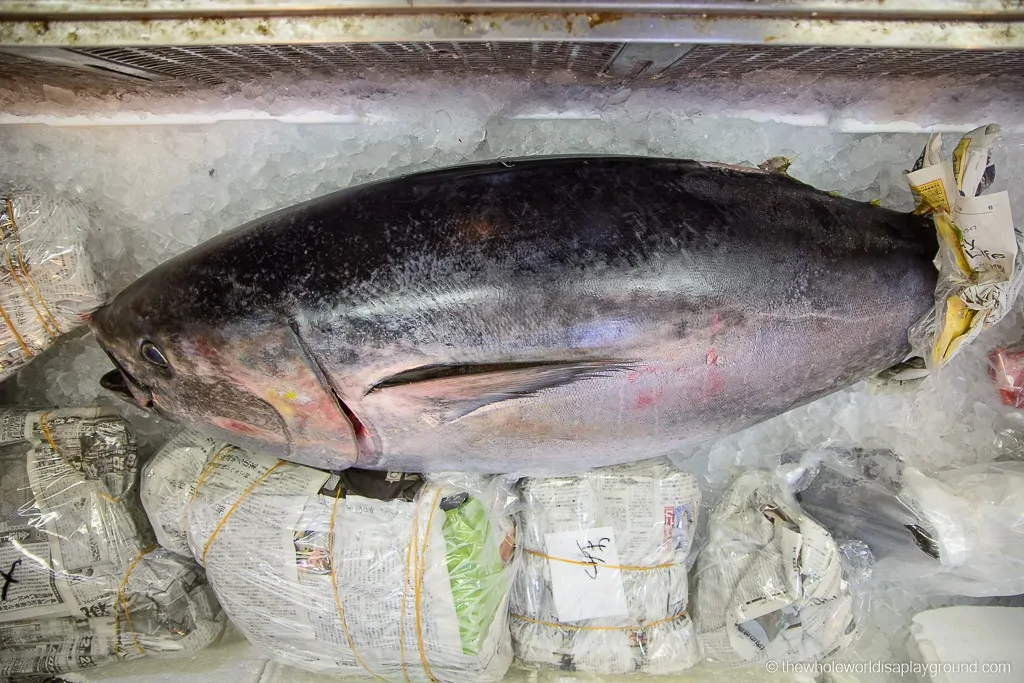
<point x="475" y="568"/>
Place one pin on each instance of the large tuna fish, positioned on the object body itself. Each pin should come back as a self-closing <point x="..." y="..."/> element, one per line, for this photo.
<point x="551" y="314"/>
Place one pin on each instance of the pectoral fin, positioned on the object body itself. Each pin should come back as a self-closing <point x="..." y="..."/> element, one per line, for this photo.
<point x="448" y="392"/>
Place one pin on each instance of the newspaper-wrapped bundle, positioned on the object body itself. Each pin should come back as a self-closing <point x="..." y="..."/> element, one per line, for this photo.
<point x="772" y="584"/>
<point x="169" y="482"/>
<point x="603" y="583"/>
<point x="357" y="574"/>
<point x="979" y="259"/>
<point x="47" y="283"/>
<point x="79" y="585"/>
<point x="954" y="532"/>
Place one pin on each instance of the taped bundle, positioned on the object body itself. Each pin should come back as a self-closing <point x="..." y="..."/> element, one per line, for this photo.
<point x="603" y="582"/>
<point x="359" y="574"/>
<point x="772" y="584"/>
<point x="47" y="283"/>
<point x="82" y="585"/>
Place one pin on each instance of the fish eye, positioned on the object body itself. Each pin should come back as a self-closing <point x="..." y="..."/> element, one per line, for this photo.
<point x="153" y="355"/>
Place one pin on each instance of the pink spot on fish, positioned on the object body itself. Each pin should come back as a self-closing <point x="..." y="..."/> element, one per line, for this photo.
<point x="634" y="375"/>
<point x="714" y="380"/>
<point x="649" y="397"/>
<point x="716" y="323"/>
<point x="246" y="429"/>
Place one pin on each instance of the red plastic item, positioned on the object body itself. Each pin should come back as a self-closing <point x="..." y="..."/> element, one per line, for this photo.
<point x="1006" y="367"/>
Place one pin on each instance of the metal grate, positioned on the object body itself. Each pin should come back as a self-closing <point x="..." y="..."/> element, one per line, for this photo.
<point x="20" y="70"/>
<point x="215" y="65"/>
<point x="724" y="60"/>
<point x="184" y="67"/>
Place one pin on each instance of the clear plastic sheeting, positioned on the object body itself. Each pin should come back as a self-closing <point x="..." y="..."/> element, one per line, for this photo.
<point x="362" y="574"/>
<point x="953" y="532"/>
<point x="856" y="493"/>
<point x="81" y="583"/>
<point x="772" y="585"/>
<point x="979" y="259"/>
<point x="964" y="644"/>
<point x="978" y="516"/>
<point x="47" y="283"/>
<point x="1006" y="368"/>
<point x="603" y="582"/>
<point x="169" y="482"/>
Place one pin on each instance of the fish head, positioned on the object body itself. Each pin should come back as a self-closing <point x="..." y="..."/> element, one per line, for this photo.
<point x="245" y="379"/>
<point x="146" y="360"/>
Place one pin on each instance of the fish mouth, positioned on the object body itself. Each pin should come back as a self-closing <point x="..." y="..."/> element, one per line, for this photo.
<point x="119" y="381"/>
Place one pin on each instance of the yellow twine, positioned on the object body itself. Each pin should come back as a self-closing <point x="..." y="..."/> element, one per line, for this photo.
<point x="14" y="274"/>
<point x="409" y="558"/>
<point x="122" y="602"/>
<point x="48" y="435"/>
<point x="24" y="268"/>
<point x="14" y="331"/>
<point x="207" y="470"/>
<point x="572" y="627"/>
<point x="419" y="581"/>
<point x="337" y="599"/>
<point x="622" y="567"/>
<point x="234" y="506"/>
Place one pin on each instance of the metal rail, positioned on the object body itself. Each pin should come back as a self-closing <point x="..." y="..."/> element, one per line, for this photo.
<point x="935" y="24"/>
<point x="153" y="9"/>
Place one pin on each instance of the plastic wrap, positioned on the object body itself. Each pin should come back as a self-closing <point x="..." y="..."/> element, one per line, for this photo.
<point x="47" y="284"/>
<point x="80" y="584"/>
<point x="357" y="574"/>
<point x="169" y="481"/>
<point x="855" y="494"/>
<point x="1006" y="368"/>
<point x="603" y="582"/>
<point x="772" y="584"/>
<point x="958" y="531"/>
<point x="980" y="263"/>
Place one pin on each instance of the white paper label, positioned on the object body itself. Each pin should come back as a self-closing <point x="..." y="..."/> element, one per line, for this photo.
<point x="975" y="163"/>
<point x="933" y="150"/>
<point x="790" y="542"/>
<point x="975" y="150"/>
<point x="936" y="185"/>
<point x="988" y="239"/>
<point x="590" y="589"/>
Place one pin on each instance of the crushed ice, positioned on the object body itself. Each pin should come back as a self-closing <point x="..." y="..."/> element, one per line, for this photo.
<point x="156" y="191"/>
